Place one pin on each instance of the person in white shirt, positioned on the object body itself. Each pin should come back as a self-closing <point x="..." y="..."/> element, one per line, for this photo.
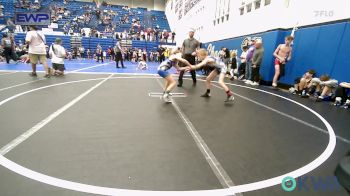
<point x="57" y="54"/>
<point x="142" y="65"/>
<point x="37" y="50"/>
<point x="142" y="35"/>
<point x="104" y="53"/>
<point x="242" y="65"/>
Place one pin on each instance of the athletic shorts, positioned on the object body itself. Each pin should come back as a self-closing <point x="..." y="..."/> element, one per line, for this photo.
<point x="35" y="58"/>
<point x="282" y="67"/>
<point x="59" y="67"/>
<point x="163" y="74"/>
<point x="221" y="70"/>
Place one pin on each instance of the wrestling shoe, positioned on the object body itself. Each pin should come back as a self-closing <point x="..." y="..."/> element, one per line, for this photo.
<point x="230" y="98"/>
<point x="207" y="95"/>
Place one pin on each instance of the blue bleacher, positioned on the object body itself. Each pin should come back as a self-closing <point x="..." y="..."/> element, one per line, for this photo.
<point x="9" y="8"/>
<point x="49" y="39"/>
<point x="75" y="8"/>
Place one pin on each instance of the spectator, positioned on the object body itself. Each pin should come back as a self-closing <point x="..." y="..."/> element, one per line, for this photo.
<point x="242" y="66"/>
<point x="342" y="95"/>
<point x="37" y="51"/>
<point x="173" y="37"/>
<point x="226" y="57"/>
<point x="88" y="53"/>
<point x="111" y="53"/>
<point x="8" y="47"/>
<point x="256" y="62"/>
<point x="99" y="53"/>
<point x="144" y="55"/>
<point x="82" y="51"/>
<point x="167" y="53"/>
<point x="57" y="53"/>
<point x="104" y="53"/>
<point x="142" y="65"/>
<point x="165" y="35"/>
<point x="323" y="88"/>
<point x="233" y="64"/>
<point x="151" y="57"/>
<point x="302" y="84"/>
<point x="161" y="51"/>
<point x="248" y="67"/>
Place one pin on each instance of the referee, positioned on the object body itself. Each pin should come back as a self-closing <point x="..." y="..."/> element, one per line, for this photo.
<point x="189" y="47"/>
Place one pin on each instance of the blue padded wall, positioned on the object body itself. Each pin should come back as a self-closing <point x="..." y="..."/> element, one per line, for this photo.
<point x="341" y="66"/>
<point x="324" y="48"/>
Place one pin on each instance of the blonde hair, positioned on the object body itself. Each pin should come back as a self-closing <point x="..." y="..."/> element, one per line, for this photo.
<point x="175" y="51"/>
<point x="233" y="54"/>
<point x="202" y="52"/>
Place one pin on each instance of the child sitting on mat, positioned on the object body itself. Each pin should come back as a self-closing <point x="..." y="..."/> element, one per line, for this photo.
<point x="342" y="95"/>
<point x="323" y="88"/>
<point x="142" y="65"/>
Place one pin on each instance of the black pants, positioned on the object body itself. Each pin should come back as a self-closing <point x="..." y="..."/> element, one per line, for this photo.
<point x="9" y="54"/>
<point x="255" y="74"/>
<point x="342" y="92"/>
<point x="119" y="57"/>
<point x="98" y="57"/>
<point x="241" y="69"/>
<point x="161" y="58"/>
<point x="192" y="60"/>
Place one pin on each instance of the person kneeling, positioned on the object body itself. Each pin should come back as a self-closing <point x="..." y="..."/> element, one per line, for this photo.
<point x="57" y="53"/>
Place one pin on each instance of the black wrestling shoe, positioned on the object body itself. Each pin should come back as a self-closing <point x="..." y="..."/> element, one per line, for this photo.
<point x="207" y="95"/>
<point x="33" y="74"/>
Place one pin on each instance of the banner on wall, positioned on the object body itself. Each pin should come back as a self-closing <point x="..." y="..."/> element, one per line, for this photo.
<point x="247" y="41"/>
<point x="189" y="5"/>
<point x="176" y="6"/>
<point x="28" y="18"/>
<point x="180" y="3"/>
<point x="216" y="53"/>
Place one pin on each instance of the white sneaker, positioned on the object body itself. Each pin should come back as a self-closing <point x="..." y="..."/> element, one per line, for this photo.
<point x="274" y="85"/>
<point x="230" y="99"/>
<point x="254" y="84"/>
<point x="347" y="102"/>
<point x="166" y="98"/>
<point x="248" y="82"/>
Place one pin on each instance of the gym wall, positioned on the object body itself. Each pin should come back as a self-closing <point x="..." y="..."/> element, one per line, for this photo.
<point x="324" y="48"/>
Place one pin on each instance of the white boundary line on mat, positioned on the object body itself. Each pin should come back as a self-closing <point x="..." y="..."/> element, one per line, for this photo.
<point x="226" y="191"/>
